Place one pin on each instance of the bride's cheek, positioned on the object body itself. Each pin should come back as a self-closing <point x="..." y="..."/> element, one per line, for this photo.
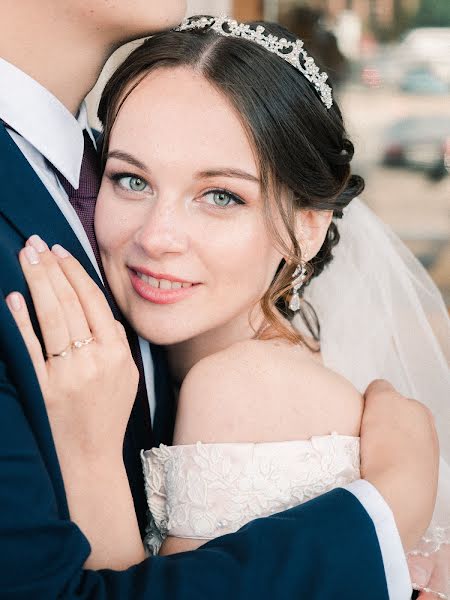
<point x="112" y="225"/>
<point x="241" y="255"/>
<point x="100" y="218"/>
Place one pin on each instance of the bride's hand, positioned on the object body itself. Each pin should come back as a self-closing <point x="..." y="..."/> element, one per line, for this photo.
<point x="88" y="387"/>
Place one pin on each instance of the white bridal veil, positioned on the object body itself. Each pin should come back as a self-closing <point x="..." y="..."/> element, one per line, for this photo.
<point x="382" y="316"/>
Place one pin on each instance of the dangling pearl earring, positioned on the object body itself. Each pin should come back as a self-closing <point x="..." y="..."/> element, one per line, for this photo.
<point x="298" y="277"/>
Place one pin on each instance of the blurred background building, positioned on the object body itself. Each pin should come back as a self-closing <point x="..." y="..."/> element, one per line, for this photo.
<point x="389" y="61"/>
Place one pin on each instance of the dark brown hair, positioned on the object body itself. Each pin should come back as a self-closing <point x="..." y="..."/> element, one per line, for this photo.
<point x="303" y="151"/>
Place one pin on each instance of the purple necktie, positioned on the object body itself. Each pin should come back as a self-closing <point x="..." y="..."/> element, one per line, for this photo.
<point x="83" y="200"/>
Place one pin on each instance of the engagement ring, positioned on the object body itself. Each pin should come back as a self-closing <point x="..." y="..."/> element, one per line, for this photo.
<point x="80" y="343"/>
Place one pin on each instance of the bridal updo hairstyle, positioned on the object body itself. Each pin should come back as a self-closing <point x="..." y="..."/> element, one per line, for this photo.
<point x="302" y="147"/>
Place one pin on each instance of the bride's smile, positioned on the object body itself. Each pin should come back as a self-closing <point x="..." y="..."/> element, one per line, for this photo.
<point x="160" y="288"/>
<point x="179" y="217"/>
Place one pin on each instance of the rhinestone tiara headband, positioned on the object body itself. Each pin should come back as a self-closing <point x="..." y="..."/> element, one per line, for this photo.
<point x="291" y="52"/>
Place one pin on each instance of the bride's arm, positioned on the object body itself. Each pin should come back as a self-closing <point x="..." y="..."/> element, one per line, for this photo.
<point x="101" y="504"/>
<point x="89" y="395"/>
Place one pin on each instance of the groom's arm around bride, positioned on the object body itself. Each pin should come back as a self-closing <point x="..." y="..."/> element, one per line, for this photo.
<point x="326" y="548"/>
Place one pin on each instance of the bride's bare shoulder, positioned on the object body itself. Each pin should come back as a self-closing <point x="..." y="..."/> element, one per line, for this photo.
<point x="262" y="391"/>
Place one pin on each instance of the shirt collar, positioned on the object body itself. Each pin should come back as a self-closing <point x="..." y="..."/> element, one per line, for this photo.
<point x="39" y="117"/>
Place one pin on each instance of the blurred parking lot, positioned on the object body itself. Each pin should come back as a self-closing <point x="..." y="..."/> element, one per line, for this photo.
<point x="414" y="201"/>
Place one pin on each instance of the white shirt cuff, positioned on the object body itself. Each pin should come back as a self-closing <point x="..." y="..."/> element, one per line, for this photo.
<point x="394" y="559"/>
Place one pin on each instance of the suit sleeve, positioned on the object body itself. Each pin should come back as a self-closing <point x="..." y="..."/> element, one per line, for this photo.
<point x="394" y="558"/>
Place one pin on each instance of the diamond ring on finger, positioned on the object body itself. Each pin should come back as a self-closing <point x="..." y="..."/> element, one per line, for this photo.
<point x="61" y="354"/>
<point x="77" y="344"/>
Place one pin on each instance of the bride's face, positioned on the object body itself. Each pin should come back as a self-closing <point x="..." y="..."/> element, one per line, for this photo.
<point x="179" y="218"/>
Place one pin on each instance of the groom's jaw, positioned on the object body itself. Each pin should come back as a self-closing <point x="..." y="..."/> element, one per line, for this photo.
<point x="44" y="38"/>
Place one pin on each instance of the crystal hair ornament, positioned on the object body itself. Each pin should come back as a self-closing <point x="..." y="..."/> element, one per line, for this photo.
<point x="292" y="52"/>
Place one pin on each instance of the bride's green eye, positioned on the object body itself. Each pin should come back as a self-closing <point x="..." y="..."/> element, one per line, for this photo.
<point x="135" y="184"/>
<point x="222" y="199"/>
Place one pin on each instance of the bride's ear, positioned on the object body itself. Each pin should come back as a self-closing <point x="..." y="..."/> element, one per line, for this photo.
<point x="311" y="230"/>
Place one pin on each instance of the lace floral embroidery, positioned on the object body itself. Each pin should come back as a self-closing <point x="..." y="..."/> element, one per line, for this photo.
<point x="207" y="490"/>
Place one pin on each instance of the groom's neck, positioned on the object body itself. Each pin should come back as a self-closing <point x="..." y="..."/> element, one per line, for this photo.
<point x="59" y="53"/>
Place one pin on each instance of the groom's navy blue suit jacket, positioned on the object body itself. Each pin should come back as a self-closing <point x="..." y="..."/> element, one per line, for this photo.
<point x="324" y="549"/>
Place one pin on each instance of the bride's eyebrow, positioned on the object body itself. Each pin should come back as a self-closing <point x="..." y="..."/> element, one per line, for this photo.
<point x="234" y="173"/>
<point x="208" y="174"/>
<point x="128" y="158"/>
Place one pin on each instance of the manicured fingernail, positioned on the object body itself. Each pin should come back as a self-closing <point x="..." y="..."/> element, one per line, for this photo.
<point x="37" y="243"/>
<point x="60" y="251"/>
<point x="32" y="255"/>
<point x="14" y="301"/>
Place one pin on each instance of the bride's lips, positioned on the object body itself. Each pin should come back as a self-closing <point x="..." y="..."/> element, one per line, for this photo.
<point x="158" y="295"/>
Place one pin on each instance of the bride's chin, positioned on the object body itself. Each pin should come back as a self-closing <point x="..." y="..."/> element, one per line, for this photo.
<point x="160" y="337"/>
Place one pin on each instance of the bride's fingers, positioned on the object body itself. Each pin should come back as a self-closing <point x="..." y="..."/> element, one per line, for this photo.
<point x="17" y="306"/>
<point x="48" y="308"/>
<point x="95" y="306"/>
<point x="77" y="324"/>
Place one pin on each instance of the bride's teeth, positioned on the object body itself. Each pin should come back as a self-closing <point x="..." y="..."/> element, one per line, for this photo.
<point x="153" y="282"/>
<point x="164" y="284"/>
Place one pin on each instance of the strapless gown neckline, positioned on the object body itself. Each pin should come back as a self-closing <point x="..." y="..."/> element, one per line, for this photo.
<point x="202" y="491"/>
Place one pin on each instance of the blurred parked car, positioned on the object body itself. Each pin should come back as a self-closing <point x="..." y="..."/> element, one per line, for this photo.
<point x="424" y="48"/>
<point x="429" y="45"/>
<point x="447" y="155"/>
<point x="421" y="80"/>
<point x="381" y="70"/>
<point x="442" y="168"/>
<point x="420" y="143"/>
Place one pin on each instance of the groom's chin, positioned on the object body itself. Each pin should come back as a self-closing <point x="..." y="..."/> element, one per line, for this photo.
<point x="159" y="16"/>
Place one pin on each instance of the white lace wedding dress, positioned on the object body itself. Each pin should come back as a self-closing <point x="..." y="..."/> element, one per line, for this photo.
<point x="203" y="491"/>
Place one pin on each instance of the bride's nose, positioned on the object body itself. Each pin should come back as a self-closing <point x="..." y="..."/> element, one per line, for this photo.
<point x="164" y="229"/>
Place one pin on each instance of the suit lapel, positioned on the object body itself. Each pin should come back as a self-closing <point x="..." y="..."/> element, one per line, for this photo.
<point x="28" y="206"/>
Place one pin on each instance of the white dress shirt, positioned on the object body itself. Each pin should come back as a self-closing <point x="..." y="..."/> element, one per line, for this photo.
<point x="49" y="131"/>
